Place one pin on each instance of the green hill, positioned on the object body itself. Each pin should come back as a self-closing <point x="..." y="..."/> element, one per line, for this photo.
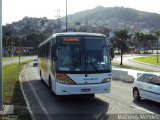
<point x="110" y="15"/>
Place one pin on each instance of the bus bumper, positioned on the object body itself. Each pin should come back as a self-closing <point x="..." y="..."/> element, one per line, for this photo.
<point x="63" y="89"/>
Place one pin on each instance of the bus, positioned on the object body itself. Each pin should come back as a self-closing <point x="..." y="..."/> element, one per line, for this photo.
<point x="75" y="63"/>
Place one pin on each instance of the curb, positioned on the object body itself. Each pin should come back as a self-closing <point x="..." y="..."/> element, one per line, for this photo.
<point x="39" y="101"/>
<point x="144" y="63"/>
<point x="36" y="96"/>
<point x="26" y="100"/>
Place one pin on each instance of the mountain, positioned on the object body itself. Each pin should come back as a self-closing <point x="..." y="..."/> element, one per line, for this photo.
<point x="115" y="16"/>
<point x="108" y="17"/>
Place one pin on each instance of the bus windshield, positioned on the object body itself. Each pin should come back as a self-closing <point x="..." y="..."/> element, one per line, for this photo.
<point x="82" y="54"/>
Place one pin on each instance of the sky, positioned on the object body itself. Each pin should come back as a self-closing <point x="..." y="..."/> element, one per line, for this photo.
<point x="15" y="10"/>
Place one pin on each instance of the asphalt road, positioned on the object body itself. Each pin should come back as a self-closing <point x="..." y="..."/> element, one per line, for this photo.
<point x="127" y="60"/>
<point x="45" y="105"/>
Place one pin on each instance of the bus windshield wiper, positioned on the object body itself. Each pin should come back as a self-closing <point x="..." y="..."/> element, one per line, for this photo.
<point x="93" y="65"/>
<point x="78" y="62"/>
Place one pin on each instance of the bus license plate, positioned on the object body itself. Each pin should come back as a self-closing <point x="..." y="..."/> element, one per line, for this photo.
<point x="85" y="90"/>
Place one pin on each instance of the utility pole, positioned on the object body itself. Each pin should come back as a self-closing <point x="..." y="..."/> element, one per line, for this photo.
<point x="66" y="18"/>
<point x="1" y="86"/>
<point x="158" y="36"/>
<point x="12" y="49"/>
<point x="157" y="52"/>
<point x="19" y="53"/>
<point x="20" y="47"/>
<point x="58" y="20"/>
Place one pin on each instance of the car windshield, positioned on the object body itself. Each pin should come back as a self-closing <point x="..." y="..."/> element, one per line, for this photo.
<point x="82" y="54"/>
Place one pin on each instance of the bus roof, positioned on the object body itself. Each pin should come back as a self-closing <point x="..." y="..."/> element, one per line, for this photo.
<point x="78" y="34"/>
<point x="73" y="34"/>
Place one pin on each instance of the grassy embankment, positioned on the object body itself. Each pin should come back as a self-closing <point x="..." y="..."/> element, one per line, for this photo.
<point x="150" y="60"/>
<point x="12" y="94"/>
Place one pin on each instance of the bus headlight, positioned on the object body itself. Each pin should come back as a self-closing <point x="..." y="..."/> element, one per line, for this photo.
<point x="62" y="81"/>
<point x="106" y="80"/>
<point x="65" y="82"/>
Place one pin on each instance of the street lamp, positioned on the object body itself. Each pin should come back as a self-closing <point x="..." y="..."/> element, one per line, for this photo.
<point x="1" y="86"/>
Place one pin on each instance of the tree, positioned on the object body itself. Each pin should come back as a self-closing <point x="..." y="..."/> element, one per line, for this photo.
<point x="137" y="40"/>
<point x="141" y="40"/>
<point x="121" y="38"/>
<point x="144" y="41"/>
<point x="150" y="41"/>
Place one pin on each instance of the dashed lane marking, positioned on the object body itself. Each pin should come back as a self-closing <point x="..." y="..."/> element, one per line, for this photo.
<point x="142" y="109"/>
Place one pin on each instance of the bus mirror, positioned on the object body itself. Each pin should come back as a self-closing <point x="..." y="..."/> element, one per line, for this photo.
<point x="55" y="58"/>
<point x="111" y="53"/>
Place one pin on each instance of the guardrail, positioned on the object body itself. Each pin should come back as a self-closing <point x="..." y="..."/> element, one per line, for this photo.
<point x="125" y="75"/>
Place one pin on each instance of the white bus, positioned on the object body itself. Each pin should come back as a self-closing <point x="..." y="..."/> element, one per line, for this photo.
<point x="75" y="63"/>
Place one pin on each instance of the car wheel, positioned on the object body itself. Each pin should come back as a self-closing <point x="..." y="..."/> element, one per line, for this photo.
<point x="136" y="95"/>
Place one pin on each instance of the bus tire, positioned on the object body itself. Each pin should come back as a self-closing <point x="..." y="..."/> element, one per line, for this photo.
<point x="41" y="76"/>
<point x="50" y="84"/>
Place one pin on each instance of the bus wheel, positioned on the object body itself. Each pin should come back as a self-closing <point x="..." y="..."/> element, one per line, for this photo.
<point x="41" y="77"/>
<point x="50" y="84"/>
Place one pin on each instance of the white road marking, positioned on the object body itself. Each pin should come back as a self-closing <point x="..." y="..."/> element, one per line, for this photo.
<point x="133" y="106"/>
<point x="142" y="109"/>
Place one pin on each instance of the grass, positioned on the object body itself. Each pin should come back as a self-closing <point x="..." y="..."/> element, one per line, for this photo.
<point x="149" y="59"/>
<point x="132" y="67"/>
<point x="12" y="94"/>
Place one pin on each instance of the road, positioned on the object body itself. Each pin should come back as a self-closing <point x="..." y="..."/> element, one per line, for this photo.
<point x="45" y="105"/>
<point x="127" y="60"/>
<point x="16" y="59"/>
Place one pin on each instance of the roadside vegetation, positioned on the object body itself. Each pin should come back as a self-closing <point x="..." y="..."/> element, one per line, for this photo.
<point x="12" y="94"/>
<point x="148" y="59"/>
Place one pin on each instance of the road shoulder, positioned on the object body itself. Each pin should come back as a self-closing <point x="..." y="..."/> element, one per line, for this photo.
<point x="34" y="107"/>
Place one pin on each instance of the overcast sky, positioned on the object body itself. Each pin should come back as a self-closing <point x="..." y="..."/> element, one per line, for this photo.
<point x="14" y="10"/>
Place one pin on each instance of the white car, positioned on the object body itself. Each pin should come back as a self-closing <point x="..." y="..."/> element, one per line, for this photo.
<point x="147" y="85"/>
<point x="35" y="63"/>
